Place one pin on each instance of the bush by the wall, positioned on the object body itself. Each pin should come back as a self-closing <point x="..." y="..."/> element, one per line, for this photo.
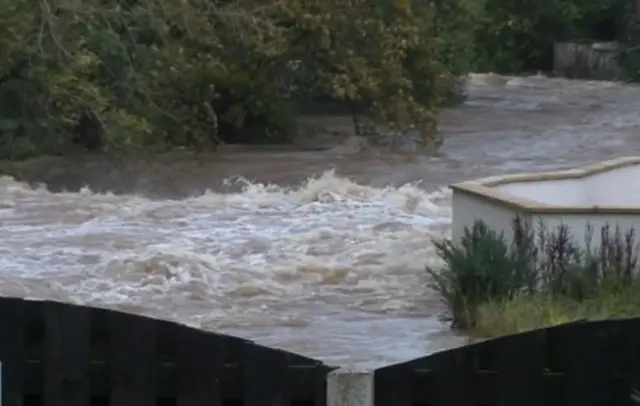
<point x="486" y="267"/>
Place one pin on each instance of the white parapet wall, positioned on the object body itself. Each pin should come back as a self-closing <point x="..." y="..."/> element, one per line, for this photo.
<point x="607" y="193"/>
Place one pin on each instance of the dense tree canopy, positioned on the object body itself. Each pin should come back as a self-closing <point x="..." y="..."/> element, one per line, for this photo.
<point x="156" y="73"/>
<point x="112" y="74"/>
<point x="516" y="36"/>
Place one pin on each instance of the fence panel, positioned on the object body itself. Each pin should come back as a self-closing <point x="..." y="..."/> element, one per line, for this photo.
<point x="268" y="388"/>
<point x="66" y="355"/>
<point x="395" y="386"/>
<point x="453" y="370"/>
<point x="199" y="372"/>
<point x="58" y="354"/>
<point x="520" y="361"/>
<point x="577" y="364"/>
<point x="12" y="350"/>
<point x="585" y="372"/>
<point x="133" y="360"/>
<point x="629" y="361"/>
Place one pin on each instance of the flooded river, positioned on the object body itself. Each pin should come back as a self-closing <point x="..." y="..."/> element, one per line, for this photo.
<point x="322" y="252"/>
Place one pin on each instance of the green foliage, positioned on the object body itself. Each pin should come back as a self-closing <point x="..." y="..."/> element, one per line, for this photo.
<point x="455" y="23"/>
<point x="479" y="269"/>
<point x="539" y="310"/>
<point x="629" y="61"/>
<point x="107" y="74"/>
<point x="518" y="36"/>
<point x="485" y="267"/>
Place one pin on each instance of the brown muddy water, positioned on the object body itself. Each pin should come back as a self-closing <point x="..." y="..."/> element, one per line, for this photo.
<point x="318" y="252"/>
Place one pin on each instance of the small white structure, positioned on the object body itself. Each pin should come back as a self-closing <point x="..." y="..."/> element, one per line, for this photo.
<point x="349" y="387"/>
<point x="587" y="59"/>
<point x="595" y="195"/>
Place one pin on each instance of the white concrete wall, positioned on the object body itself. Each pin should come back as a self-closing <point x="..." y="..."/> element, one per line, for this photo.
<point x="467" y="208"/>
<point x="578" y="225"/>
<point x="618" y="187"/>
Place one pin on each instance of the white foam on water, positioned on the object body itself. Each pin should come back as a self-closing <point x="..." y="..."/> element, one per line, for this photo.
<point x="264" y="257"/>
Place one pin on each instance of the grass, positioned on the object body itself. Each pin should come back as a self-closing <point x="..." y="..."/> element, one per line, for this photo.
<point x="534" y="311"/>
<point x="493" y="285"/>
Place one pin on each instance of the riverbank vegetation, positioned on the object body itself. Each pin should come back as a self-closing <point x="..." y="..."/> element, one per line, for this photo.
<point x="492" y="284"/>
<point x="154" y="74"/>
<point x="124" y="75"/>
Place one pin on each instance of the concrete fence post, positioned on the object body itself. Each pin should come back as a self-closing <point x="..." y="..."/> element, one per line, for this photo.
<point x="350" y="387"/>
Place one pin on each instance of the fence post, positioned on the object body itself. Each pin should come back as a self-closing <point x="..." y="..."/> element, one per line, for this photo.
<point x="349" y="387"/>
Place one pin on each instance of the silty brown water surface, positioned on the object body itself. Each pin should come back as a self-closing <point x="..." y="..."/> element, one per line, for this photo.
<point x="318" y="252"/>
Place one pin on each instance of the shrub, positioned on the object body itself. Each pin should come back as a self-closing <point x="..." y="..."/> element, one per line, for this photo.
<point x="485" y="267"/>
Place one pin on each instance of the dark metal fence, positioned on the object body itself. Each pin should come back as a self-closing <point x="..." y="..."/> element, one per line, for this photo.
<point x="57" y="354"/>
<point x="579" y="364"/>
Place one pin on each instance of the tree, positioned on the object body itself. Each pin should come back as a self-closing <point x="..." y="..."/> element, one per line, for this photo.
<point x="512" y="37"/>
<point x="104" y="74"/>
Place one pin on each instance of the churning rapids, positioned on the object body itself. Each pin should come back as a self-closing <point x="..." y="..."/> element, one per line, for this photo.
<point x="322" y="253"/>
